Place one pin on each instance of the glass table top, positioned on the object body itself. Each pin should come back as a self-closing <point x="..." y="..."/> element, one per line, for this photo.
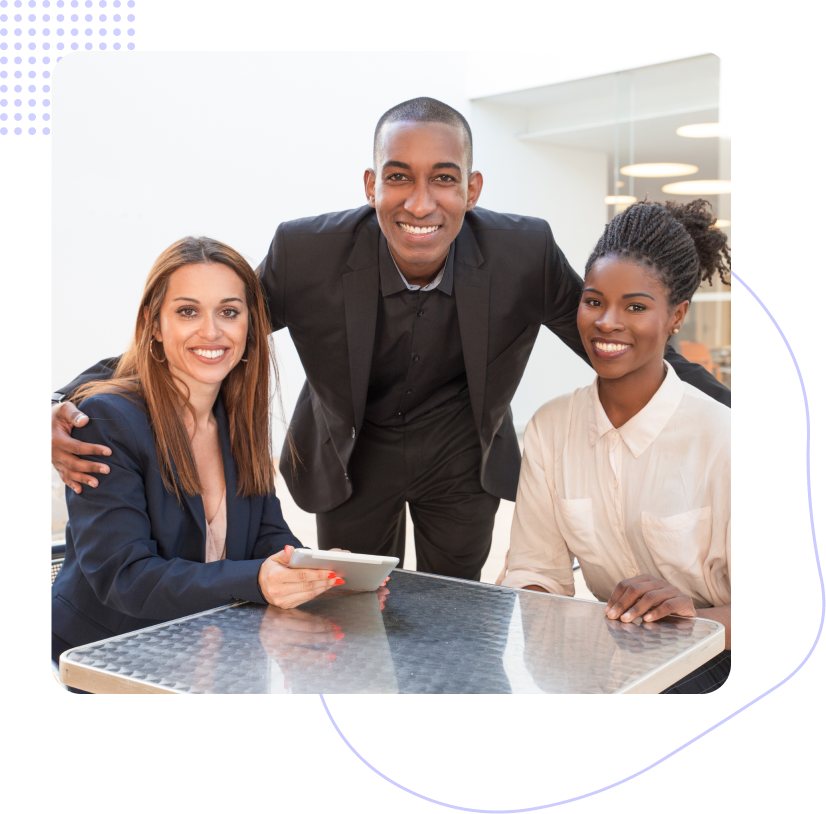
<point x="432" y="635"/>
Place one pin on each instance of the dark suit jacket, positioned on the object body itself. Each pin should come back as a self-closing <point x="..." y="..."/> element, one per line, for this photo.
<point x="134" y="554"/>
<point x="321" y="276"/>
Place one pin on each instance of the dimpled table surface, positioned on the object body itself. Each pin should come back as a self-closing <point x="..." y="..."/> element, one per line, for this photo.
<point x="433" y="635"/>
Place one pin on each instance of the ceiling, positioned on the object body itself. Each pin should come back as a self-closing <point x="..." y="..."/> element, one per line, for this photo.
<point x="632" y="117"/>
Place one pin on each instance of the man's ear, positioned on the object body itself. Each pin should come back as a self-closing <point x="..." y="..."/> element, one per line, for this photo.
<point x="474" y="189"/>
<point x="370" y="186"/>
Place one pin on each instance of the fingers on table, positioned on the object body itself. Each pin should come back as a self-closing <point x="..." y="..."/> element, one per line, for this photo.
<point x="679" y="605"/>
<point x="651" y="601"/>
<point x="628" y="594"/>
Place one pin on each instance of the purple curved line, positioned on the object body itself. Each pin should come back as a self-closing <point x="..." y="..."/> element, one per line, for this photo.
<point x="711" y="728"/>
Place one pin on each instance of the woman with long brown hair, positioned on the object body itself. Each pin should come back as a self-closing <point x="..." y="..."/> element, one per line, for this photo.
<point x="187" y="519"/>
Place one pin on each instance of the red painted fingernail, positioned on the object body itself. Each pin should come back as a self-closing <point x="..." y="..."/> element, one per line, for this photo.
<point x="332" y="575"/>
<point x="339" y="635"/>
<point x="335" y="627"/>
<point x="331" y="657"/>
<point x="339" y="582"/>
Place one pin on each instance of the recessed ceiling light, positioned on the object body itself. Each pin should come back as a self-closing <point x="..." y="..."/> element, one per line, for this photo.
<point x="722" y="223"/>
<point x="698" y="188"/>
<point x="620" y="199"/>
<point x="707" y="130"/>
<point x="658" y="170"/>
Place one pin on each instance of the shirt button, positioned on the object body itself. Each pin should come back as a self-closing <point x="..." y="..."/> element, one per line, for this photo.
<point x="613" y="482"/>
<point x="614" y="434"/>
<point x="415" y="358"/>
<point x="633" y="572"/>
<point x="407" y="392"/>
<point x="346" y="476"/>
<point x="353" y="432"/>
<point x="420" y="313"/>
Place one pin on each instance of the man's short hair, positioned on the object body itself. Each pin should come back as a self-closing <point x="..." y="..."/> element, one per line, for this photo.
<point x="425" y="109"/>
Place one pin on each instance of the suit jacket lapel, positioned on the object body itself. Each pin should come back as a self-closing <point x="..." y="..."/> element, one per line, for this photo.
<point x="361" y="297"/>
<point x="196" y="508"/>
<point x="472" y="288"/>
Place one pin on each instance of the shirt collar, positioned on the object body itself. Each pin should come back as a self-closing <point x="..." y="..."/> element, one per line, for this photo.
<point x="640" y="431"/>
<point x="393" y="281"/>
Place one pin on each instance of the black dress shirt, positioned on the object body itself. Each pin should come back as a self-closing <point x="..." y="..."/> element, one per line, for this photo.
<point x="417" y="354"/>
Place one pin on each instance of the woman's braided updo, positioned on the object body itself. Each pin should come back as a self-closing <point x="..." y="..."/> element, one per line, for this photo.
<point x="678" y="241"/>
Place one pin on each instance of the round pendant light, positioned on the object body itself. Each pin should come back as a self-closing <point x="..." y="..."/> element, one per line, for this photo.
<point x="707" y="130"/>
<point x="658" y="170"/>
<point x="698" y="187"/>
<point x="620" y="199"/>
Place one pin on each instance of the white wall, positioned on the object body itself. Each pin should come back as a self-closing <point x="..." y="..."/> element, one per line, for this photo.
<point x="565" y="187"/>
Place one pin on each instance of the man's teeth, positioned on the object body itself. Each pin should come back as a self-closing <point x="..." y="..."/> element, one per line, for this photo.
<point x="610" y="347"/>
<point x="418" y="230"/>
<point x="210" y="354"/>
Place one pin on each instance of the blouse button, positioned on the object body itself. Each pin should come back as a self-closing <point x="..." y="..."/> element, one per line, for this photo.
<point x="614" y="434"/>
<point x="614" y="484"/>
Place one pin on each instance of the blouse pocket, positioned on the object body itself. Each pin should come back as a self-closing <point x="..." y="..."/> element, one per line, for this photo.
<point x="679" y="544"/>
<point x="576" y="522"/>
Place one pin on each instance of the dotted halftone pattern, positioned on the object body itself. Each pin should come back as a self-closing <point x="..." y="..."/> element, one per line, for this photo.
<point x="32" y="36"/>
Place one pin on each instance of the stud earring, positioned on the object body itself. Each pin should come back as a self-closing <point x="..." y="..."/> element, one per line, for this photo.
<point x="675" y="330"/>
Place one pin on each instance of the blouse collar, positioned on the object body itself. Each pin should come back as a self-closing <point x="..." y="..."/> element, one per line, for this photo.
<point x="639" y="432"/>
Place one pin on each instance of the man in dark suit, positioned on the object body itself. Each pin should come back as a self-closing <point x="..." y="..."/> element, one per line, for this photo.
<point x="414" y="318"/>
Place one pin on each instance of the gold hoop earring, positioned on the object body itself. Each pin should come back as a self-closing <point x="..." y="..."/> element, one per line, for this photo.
<point x="159" y="361"/>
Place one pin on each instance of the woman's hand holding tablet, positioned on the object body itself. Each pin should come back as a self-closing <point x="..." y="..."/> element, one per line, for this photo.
<point x="285" y="587"/>
<point x="360" y="572"/>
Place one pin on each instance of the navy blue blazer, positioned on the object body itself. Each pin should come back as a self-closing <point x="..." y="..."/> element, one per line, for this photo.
<point x="134" y="554"/>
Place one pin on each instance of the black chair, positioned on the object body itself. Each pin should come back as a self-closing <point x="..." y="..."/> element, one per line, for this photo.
<point x="58" y="555"/>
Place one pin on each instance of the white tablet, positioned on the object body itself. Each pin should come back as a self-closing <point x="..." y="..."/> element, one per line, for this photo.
<point x="360" y="572"/>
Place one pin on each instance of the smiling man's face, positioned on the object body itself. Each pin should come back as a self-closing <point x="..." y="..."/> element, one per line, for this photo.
<point x="421" y="188"/>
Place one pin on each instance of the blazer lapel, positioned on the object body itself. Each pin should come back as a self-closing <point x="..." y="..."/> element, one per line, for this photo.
<point x="361" y="297"/>
<point x="472" y="288"/>
<point x="238" y="515"/>
<point x="196" y="508"/>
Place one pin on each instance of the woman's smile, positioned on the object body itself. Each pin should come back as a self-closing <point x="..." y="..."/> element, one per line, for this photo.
<point x="210" y="354"/>
<point x="607" y="350"/>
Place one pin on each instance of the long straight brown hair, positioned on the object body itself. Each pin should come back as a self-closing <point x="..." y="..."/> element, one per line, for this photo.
<point x="245" y="391"/>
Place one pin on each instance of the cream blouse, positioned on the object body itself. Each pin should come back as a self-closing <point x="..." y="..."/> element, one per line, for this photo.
<point x="651" y="497"/>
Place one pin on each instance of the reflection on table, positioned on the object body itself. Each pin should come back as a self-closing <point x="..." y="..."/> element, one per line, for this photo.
<point x="429" y="635"/>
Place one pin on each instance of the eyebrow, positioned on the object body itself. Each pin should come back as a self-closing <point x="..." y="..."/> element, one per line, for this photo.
<point x="442" y="165"/>
<point x="197" y="302"/>
<point x="624" y="296"/>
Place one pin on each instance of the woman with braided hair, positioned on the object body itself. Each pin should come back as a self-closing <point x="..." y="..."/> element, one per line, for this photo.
<point x="632" y="475"/>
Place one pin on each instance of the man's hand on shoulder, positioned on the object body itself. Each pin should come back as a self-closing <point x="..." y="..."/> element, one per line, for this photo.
<point x="73" y="470"/>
